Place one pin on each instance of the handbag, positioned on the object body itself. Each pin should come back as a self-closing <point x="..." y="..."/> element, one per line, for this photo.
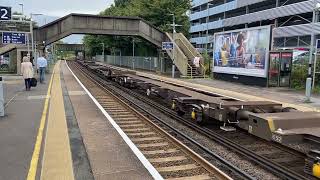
<point x="34" y="82"/>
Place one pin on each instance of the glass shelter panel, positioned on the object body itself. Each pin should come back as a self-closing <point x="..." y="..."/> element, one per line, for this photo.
<point x="285" y="69"/>
<point x="274" y="69"/>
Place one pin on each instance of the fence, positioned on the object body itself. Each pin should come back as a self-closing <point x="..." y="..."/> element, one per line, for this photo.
<point x="145" y="63"/>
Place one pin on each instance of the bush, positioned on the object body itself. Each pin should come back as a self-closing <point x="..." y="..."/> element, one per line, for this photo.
<point x="299" y="76"/>
<point x="207" y="63"/>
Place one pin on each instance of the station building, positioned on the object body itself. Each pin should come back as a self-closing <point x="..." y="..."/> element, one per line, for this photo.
<point x="289" y="21"/>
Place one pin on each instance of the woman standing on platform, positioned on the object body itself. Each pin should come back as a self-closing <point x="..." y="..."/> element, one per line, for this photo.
<point x="27" y="72"/>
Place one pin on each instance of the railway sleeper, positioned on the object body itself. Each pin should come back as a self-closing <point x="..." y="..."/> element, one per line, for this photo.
<point x="267" y="120"/>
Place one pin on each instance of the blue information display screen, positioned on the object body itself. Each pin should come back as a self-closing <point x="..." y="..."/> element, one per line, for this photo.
<point x="167" y="45"/>
<point x="13" y="38"/>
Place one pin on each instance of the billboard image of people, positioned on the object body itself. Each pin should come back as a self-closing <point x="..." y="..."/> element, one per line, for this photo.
<point x="242" y="52"/>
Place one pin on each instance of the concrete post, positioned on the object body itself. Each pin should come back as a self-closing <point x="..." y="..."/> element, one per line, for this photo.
<point x="19" y="62"/>
<point x="308" y="85"/>
<point x="308" y="89"/>
<point x="133" y="49"/>
<point x="1" y="98"/>
<point x="173" y="55"/>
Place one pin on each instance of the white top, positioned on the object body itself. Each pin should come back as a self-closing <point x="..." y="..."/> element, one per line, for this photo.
<point x="42" y="62"/>
<point x="196" y="61"/>
<point x="27" y="70"/>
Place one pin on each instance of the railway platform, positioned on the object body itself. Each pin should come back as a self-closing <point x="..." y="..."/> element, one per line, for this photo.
<point x="19" y="126"/>
<point x="56" y="131"/>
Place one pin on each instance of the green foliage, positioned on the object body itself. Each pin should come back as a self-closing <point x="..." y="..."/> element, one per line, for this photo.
<point x="115" y="44"/>
<point x="299" y="76"/>
<point x="156" y="12"/>
<point x="120" y="2"/>
<point x="317" y="77"/>
<point x="207" y="63"/>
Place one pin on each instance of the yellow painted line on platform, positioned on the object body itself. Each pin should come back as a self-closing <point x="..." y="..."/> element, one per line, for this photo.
<point x="37" y="147"/>
<point x="57" y="160"/>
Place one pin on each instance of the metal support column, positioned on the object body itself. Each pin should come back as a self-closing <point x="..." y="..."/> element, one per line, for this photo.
<point x="173" y="53"/>
<point x="1" y="98"/>
<point x="309" y="78"/>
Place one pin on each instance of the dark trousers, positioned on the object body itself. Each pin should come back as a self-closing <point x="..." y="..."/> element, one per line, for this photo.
<point x="27" y="82"/>
<point x="42" y="74"/>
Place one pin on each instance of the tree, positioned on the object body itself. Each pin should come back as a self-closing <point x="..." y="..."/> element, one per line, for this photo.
<point x="118" y="3"/>
<point x="156" y="12"/>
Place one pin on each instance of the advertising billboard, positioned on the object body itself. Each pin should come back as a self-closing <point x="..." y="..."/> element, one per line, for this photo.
<point x="242" y="52"/>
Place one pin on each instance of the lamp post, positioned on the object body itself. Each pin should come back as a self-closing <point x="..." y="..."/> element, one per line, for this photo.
<point x="22" y="13"/>
<point x="33" y="49"/>
<point x="102" y="50"/>
<point x="174" y="25"/>
<point x="316" y="8"/>
<point x="133" y="61"/>
<point x="207" y="40"/>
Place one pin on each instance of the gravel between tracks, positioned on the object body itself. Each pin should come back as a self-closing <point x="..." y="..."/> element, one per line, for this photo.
<point x="249" y="167"/>
<point x="162" y="161"/>
<point x="227" y="154"/>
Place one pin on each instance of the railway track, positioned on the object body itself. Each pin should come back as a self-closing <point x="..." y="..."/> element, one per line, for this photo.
<point x="285" y="163"/>
<point x="281" y="161"/>
<point x="169" y="156"/>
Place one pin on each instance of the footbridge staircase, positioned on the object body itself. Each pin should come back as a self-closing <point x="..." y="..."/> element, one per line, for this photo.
<point x="184" y="54"/>
<point x="8" y="48"/>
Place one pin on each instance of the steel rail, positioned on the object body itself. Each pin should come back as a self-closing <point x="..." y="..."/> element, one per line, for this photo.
<point x="196" y="157"/>
<point x="264" y="162"/>
<point x="281" y="171"/>
<point x="277" y="169"/>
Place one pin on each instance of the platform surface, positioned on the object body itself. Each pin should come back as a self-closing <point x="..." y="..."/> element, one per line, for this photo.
<point x="55" y="131"/>
<point x="19" y="126"/>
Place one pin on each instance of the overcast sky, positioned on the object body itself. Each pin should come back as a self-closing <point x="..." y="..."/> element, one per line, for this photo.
<point x="58" y="7"/>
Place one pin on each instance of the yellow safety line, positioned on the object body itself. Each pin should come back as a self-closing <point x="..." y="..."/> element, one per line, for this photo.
<point x="37" y="147"/>
<point x="57" y="158"/>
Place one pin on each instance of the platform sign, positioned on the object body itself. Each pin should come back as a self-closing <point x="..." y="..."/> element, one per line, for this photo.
<point x="13" y="38"/>
<point x="167" y="45"/>
<point x="5" y="13"/>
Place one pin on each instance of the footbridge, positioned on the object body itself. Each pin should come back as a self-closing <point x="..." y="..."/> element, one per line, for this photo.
<point x="121" y="26"/>
<point x="98" y="25"/>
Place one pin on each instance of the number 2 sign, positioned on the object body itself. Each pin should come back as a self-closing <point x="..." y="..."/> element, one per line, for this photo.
<point x="5" y="13"/>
